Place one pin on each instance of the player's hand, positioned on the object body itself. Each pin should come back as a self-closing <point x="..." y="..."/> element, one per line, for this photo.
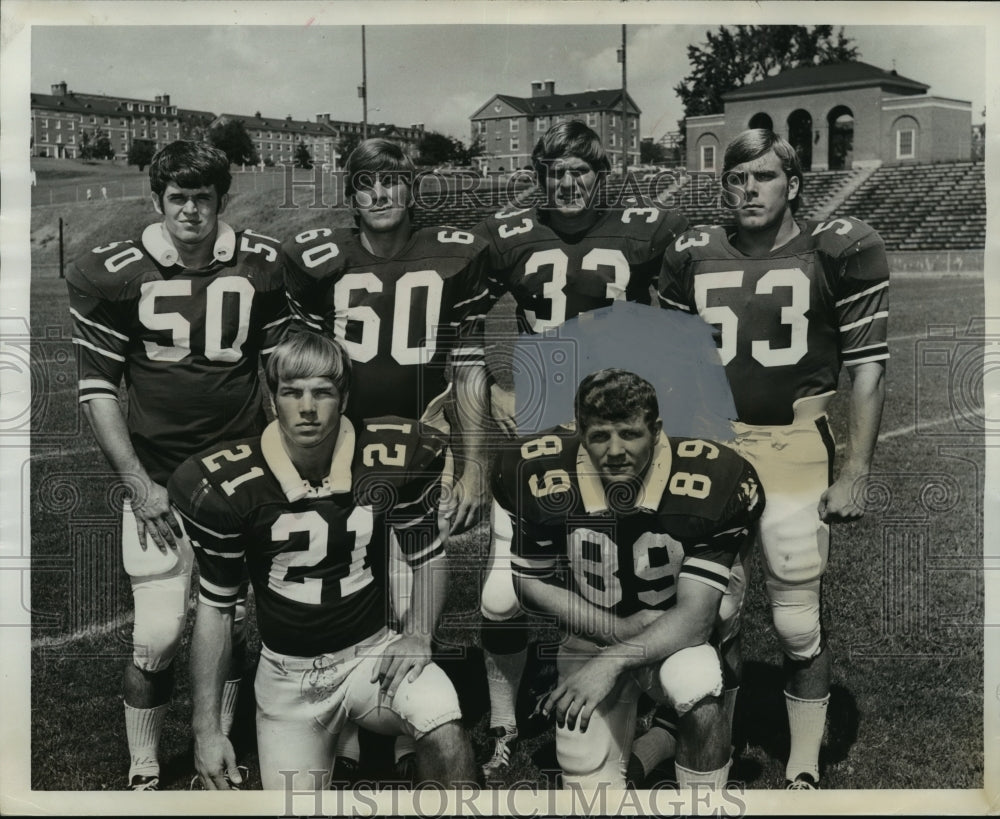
<point x="843" y="501"/>
<point x="215" y="762"/>
<point x="502" y="409"/>
<point x="576" y="697"/>
<point x="402" y="660"/>
<point x="153" y="514"/>
<point x="469" y="500"/>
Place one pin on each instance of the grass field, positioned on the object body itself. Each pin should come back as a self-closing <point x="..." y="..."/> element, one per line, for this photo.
<point x="903" y="594"/>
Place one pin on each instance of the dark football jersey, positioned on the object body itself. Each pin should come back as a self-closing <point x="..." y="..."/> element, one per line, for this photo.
<point x="786" y="321"/>
<point x="187" y="342"/>
<point x="316" y="556"/>
<point x="401" y="319"/>
<point x="625" y="547"/>
<point x="554" y="277"/>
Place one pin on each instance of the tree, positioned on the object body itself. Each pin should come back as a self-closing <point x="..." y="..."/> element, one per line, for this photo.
<point x="436" y="149"/>
<point x="346" y="143"/>
<point x="233" y="140"/>
<point x="140" y="152"/>
<point x="85" y="148"/>
<point x="652" y="153"/>
<point x="303" y="159"/>
<point x="97" y="147"/>
<point x="735" y="56"/>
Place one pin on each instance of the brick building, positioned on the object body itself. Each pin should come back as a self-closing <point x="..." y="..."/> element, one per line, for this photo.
<point x="509" y="127"/>
<point x="839" y="116"/>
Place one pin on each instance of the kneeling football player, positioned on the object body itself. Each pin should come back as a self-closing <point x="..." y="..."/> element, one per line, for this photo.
<point x="309" y="507"/>
<point x="626" y="538"/>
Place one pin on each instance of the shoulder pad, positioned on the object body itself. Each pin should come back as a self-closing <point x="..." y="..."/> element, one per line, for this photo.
<point x="206" y="485"/>
<point x="696" y="241"/>
<point x="109" y="264"/>
<point x="262" y="253"/>
<point x="535" y="476"/>
<point x="842" y="235"/>
<point x="320" y="251"/>
<point x="455" y="240"/>
<point x="398" y="448"/>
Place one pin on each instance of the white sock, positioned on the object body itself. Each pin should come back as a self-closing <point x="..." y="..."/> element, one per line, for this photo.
<point x="653" y="747"/>
<point x="143" y="727"/>
<point x="712" y="781"/>
<point x="503" y="676"/>
<point x="348" y="744"/>
<point x="806" y="720"/>
<point x="230" y="693"/>
<point x="405" y="744"/>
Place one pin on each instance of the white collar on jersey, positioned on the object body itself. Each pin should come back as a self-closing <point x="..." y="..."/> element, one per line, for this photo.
<point x="157" y="241"/>
<point x="292" y="483"/>
<point x="653" y="485"/>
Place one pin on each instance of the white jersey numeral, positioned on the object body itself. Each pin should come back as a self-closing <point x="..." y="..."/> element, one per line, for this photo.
<point x="367" y="347"/>
<point x="593" y="559"/>
<point x="305" y="589"/>
<point x="792" y="314"/>
<point x="555" y="288"/>
<point x="241" y="293"/>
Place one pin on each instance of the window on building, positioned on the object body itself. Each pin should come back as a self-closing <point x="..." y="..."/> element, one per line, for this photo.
<point x="515" y="144"/>
<point x="45" y="123"/>
<point x="72" y="140"/>
<point x="631" y="141"/>
<point x="613" y="140"/>
<point x="613" y="120"/>
<point x="142" y="106"/>
<point x="708" y="157"/>
<point x="58" y="124"/>
<point x="592" y="119"/>
<point x="513" y="124"/>
<point x="542" y="123"/>
<point x="129" y="106"/>
<point x="93" y="120"/>
<point x="124" y="123"/>
<point x="107" y="120"/>
<point x="906" y="144"/>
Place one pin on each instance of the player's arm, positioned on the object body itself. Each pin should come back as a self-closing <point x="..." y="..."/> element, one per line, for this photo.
<point x="211" y="653"/>
<point x="844" y="499"/>
<point x="415" y="522"/>
<point x="102" y="347"/>
<point x="218" y="548"/>
<point x="862" y="312"/>
<point x="472" y="396"/>
<point x="150" y="503"/>
<point x="688" y="623"/>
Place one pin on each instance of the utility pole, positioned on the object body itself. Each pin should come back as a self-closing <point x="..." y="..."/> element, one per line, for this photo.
<point x="363" y="88"/>
<point x="622" y="60"/>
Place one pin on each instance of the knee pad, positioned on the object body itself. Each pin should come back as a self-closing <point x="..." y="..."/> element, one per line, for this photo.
<point x="585" y="758"/>
<point x="428" y="702"/>
<point x="499" y="601"/>
<point x="796" y="618"/>
<point x="795" y="543"/>
<point x="690" y="675"/>
<point x="160" y="612"/>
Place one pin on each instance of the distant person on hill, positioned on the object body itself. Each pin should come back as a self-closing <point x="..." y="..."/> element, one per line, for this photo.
<point x="183" y="312"/>
<point x="792" y="300"/>
<point x="104" y="192"/>
<point x="408" y="304"/>
<point x="89" y="195"/>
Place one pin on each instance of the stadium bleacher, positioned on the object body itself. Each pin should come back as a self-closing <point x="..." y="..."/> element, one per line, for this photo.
<point x="913" y="207"/>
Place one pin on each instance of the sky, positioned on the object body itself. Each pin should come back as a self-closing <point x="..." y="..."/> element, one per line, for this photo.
<point x="435" y="74"/>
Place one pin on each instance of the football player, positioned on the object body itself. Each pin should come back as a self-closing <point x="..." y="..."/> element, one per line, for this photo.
<point x="409" y="307"/>
<point x="792" y="301"/>
<point x="574" y="253"/>
<point x="184" y="312"/>
<point x="308" y="506"/>
<point x="626" y="538"/>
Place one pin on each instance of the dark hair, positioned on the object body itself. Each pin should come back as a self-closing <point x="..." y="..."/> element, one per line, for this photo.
<point x="756" y="142"/>
<point x="305" y="354"/>
<point x="373" y="157"/>
<point x="189" y="164"/>
<point x="615" y="395"/>
<point x="572" y="138"/>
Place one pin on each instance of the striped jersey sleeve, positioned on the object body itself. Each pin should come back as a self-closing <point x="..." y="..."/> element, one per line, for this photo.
<point x="469" y="313"/>
<point x="862" y="306"/>
<point x="100" y="337"/>
<point x="215" y="532"/>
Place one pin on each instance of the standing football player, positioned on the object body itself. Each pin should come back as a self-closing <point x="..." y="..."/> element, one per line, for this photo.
<point x="792" y="301"/>
<point x="184" y="312"/>
<point x="307" y="507"/>
<point x="409" y="307"/>
<point x="626" y="538"/>
<point x="573" y="253"/>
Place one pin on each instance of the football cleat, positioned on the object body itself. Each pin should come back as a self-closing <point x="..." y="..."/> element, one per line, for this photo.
<point x="503" y="739"/>
<point x="803" y="782"/>
<point x="139" y="782"/>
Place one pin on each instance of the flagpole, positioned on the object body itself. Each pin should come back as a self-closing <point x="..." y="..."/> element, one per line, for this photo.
<point x="363" y="90"/>
<point x="624" y="106"/>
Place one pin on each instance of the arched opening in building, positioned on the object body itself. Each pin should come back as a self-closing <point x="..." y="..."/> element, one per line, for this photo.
<point x="840" y="122"/>
<point x="800" y="135"/>
<point x="761" y="120"/>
